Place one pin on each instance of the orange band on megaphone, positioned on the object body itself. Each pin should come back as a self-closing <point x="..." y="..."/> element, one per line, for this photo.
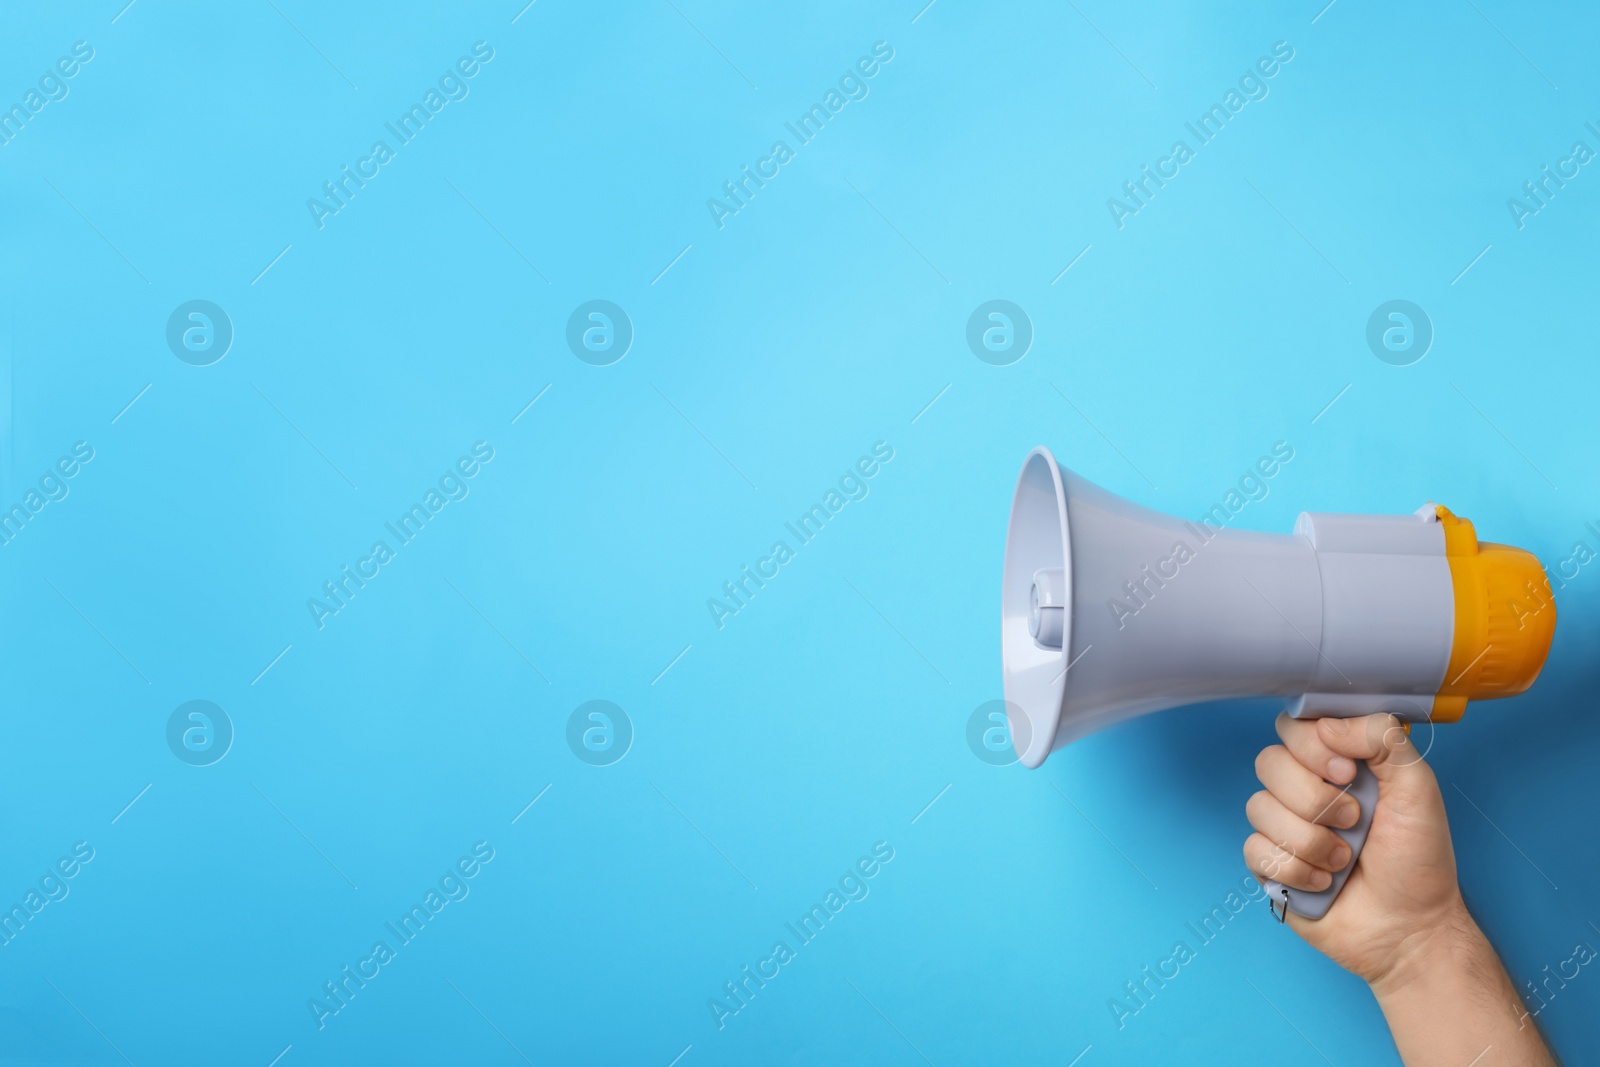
<point x="1505" y="619"/>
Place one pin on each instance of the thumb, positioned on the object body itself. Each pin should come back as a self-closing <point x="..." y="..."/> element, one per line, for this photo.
<point x="1383" y="742"/>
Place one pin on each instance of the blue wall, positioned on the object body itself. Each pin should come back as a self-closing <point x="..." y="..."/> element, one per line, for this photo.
<point x="375" y="753"/>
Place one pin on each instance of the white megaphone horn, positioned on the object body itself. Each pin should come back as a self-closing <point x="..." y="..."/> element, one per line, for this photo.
<point x="1110" y="610"/>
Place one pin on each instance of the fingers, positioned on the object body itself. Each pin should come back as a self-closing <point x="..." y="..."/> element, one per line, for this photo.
<point x="1315" y="845"/>
<point x="1304" y="792"/>
<point x="1378" y="739"/>
<point x="1303" y="738"/>
<point x="1267" y="860"/>
<point x="1294" y="843"/>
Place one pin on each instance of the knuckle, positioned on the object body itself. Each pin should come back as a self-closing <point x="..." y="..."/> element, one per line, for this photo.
<point x="1322" y="845"/>
<point x="1259" y="858"/>
<point x="1281" y="864"/>
<point x="1304" y="876"/>
<point x="1323" y="804"/>
<point x="1277" y="857"/>
<point x="1256" y="806"/>
<point x="1263" y="856"/>
<point x="1296" y="734"/>
<point x="1297" y="837"/>
<point x="1302" y="801"/>
<point x="1334" y="726"/>
<point x="1310" y="748"/>
<point x="1286" y="868"/>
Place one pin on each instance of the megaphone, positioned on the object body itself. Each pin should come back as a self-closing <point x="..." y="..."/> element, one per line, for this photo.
<point x="1110" y="610"/>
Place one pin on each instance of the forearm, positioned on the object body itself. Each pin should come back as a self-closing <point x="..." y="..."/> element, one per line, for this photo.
<point x="1449" y="1002"/>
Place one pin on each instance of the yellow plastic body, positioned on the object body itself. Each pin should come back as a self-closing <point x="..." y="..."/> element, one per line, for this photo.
<point x="1505" y="619"/>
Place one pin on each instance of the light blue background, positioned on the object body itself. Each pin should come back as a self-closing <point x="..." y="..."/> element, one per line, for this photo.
<point x="824" y="317"/>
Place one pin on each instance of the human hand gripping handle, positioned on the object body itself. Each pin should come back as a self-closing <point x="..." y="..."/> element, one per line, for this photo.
<point x="1314" y="904"/>
<point x="1396" y="919"/>
<point x="1335" y="789"/>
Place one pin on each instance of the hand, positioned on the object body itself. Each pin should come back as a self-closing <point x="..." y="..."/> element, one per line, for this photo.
<point x="1403" y="892"/>
<point x="1400" y="922"/>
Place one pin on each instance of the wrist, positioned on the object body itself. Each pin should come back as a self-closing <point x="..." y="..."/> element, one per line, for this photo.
<point x="1440" y="946"/>
<point x="1448" y="999"/>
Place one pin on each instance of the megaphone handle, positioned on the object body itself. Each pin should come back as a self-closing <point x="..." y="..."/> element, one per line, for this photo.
<point x="1309" y="905"/>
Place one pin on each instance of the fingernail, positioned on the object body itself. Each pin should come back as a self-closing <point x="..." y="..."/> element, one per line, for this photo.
<point x="1349" y="812"/>
<point x="1341" y="769"/>
<point x="1321" y="879"/>
<point x="1341" y="856"/>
